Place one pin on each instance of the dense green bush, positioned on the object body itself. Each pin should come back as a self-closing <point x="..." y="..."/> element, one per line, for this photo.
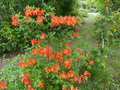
<point x="108" y="29"/>
<point x="102" y="6"/>
<point x="64" y="7"/>
<point x="9" y="7"/>
<point x="115" y="5"/>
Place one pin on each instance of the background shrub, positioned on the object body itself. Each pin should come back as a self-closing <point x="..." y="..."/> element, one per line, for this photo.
<point x="108" y="30"/>
<point x="9" y="7"/>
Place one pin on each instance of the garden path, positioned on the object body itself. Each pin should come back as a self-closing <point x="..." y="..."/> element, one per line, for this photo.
<point x="86" y="31"/>
<point x="5" y="61"/>
<point x="87" y="41"/>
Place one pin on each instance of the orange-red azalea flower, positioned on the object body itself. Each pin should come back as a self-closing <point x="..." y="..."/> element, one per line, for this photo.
<point x="42" y="35"/>
<point x="23" y="64"/>
<point x="71" y="73"/>
<point x="87" y="72"/>
<point x="32" y="62"/>
<point x="35" y="41"/>
<point x="34" y="51"/>
<point x="64" y="20"/>
<point x="91" y="62"/>
<point x="67" y="51"/>
<point x="82" y="54"/>
<point x="78" y="79"/>
<point x="63" y="75"/>
<point x="85" y="77"/>
<point x="41" y="12"/>
<point x="75" y="34"/>
<point x="15" y="21"/>
<point x="73" y="88"/>
<point x="3" y="85"/>
<point x="30" y="88"/>
<point x="78" y="49"/>
<point x="40" y="19"/>
<point x="67" y="63"/>
<point x="54" y="68"/>
<point x="41" y="84"/>
<point x="25" y="75"/>
<point x="25" y="79"/>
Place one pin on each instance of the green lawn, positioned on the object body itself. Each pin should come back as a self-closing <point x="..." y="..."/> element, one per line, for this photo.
<point x="87" y="41"/>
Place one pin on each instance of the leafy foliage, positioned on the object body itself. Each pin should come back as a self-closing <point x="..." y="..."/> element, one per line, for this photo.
<point x="108" y="30"/>
<point x="9" y="7"/>
<point x="45" y="68"/>
<point x="64" y="7"/>
<point x="31" y="25"/>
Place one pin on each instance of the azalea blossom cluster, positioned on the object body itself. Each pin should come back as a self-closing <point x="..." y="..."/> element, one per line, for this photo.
<point x="3" y="85"/>
<point x="24" y="64"/>
<point x="15" y="20"/>
<point x="25" y="76"/>
<point x="71" y="88"/>
<point x="34" y="12"/>
<point x="29" y="12"/>
<point x="68" y="75"/>
<point x="58" y="57"/>
<point x="75" y="34"/>
<point x="69" y="20"/>
<point x="35" y="41"/>
<point x="79" y="78"/>
<point x="27" y="81"/>
<point x="54" y="68"/>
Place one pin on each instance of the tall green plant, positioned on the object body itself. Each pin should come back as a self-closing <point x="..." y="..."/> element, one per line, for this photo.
<point x="108" y="29"/>
<point x="64" y="7"/>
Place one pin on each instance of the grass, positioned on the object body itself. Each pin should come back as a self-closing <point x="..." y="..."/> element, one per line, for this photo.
<point x="87" y="41"/>
<point x="113" y="63"/>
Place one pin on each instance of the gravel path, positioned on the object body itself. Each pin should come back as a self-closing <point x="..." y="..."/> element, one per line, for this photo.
<point x="9" y="59"/>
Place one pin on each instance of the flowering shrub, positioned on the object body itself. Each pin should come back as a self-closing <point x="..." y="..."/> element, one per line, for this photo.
<point x="3" y="85"/>
<point x="29" y="12"/>
<point x="39" y="16"/>
<point x="47" y="68"/>
<point x="30" y="25"/>
<point x="64" y="20"/>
